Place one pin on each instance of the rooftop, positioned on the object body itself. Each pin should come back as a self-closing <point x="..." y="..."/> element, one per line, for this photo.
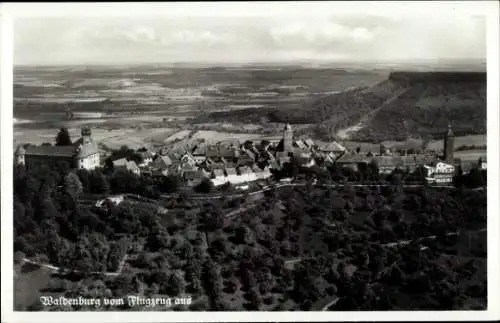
<point x="55" y="151"/>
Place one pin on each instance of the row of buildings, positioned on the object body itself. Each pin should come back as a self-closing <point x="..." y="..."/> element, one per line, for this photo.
<point x="237" y="162"/>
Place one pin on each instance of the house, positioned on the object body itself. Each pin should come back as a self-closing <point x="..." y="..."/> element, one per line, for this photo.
<point x="331" y="147"/>
<point x="188" y="171"/>
<point x="302" y="153"/>
<point x="482" y="163"/>
<point x="147" y="157"/>
<point x="247" y="157"/>
<point x="160" y="172"/>
<point x="128" y="165"/>
<point x="195" y="177"/>
<point x="218" y="177"/>
<point x="231" y="171"/>
<point x="115" y="200"/>
<point x="309" y="143"/>
<point x="246" y="174"/>
<point x="82" y="154"/>
<point x="387" y="164"/>
<point x="187" y="158"/>
<point x="300" y="144"/>
<point x="261" y="173"/>
<point x="441" y="173"/>
<point x="212" y="151"/>
<point x="161" y="162"/>
<point x="199" y="152"/>
<point x="352" y="160"/>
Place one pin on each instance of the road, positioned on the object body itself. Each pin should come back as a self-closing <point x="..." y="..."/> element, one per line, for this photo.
<point x="346" y="133"/>
<point x="390" y="244"/>
<point x="56" y="269"/>
<point x="94" y="199"/>
<point x="278" y="186"/>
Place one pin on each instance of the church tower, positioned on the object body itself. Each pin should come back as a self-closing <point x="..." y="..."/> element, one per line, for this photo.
<point x="20" y="156"/>
<point x="449" y="145"/>
<point x="288" y="139"/>
<point x="86" y="135"/>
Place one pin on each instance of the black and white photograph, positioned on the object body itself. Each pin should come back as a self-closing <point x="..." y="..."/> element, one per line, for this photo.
<point x="251" y="157"/>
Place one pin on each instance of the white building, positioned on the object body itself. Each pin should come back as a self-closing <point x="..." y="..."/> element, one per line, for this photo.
<point x="441" y="173"/>
<point x="129" y="165"/>
<point x="82" y="154"/>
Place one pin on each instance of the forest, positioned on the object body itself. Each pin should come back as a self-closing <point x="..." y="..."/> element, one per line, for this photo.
<point x="286" y="249"/>
<point x="405" y="105"/>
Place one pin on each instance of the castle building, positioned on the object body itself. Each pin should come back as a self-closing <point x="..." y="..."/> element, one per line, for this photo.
<point x="449" y="145"/>
<point x="82" y="154"/>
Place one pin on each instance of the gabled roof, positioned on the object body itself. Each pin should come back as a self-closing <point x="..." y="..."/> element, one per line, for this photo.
<point x="228" y="151"/>
<point x="256" y="168"/>
<point x="146" y="154"/>
<point x="250" y="154"/>
<point x="331" y="147"/>
<point x="165" y="159"/>
<point x="200" y="150"/>
<point x="231" y="171"/>
<point x="128" y="164"/>
<point x="245" y="170"/>
<point x="309" y="142"/>
<point x="218" y="172"/>
<point x="56" y="151"/>
<point x="120" y="162"/>
<point x="162" y="162"/>
<point x="353" y="158"/>
<point x="300" y="144"/>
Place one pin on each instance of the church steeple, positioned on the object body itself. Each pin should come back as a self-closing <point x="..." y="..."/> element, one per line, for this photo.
<point x="449" y="144"/>
<point x="287" y="139"/>
<point x="450" y="132"/>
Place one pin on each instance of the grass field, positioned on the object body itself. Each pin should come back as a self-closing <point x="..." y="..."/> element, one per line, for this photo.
<point x="476" y="140"/>
<point x="29" y="281"/>
<point x="114" y="139"/>
<point x="215" y="136"/>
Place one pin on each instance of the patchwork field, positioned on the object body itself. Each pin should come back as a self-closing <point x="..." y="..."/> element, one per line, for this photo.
<point x="113" y="138"/>
<point x="470" y="140"/>
<point x="215" y="136"/>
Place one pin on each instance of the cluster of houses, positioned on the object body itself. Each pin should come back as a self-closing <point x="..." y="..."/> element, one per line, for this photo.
<point x="240" y="163"/>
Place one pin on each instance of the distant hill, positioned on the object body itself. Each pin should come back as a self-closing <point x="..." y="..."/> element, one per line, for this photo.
<point x="428" y="104"/>
<point x="407" y="104"/>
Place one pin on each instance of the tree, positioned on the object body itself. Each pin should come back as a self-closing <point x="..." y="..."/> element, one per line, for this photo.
<point x="255" y="300"/>
<point x="176" y="285"/>
<point x="248" y="144"/>
<point x="72" y="184"/>
<point x="205" y="186"/>
<point x="98" y="182"/>
<point x="63" y="138"/>
<point x="169" y="184"/>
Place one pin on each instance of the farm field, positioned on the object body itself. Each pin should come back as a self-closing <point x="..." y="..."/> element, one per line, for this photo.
<point x="215" y="136"/>
<point x="112" y="138"/>
<point x="470" y="140"/>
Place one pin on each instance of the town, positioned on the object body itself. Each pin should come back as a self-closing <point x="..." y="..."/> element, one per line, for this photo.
<point x="240" y="163"/>
<point x="137" y="203"/>
<point x="270" y="160"/>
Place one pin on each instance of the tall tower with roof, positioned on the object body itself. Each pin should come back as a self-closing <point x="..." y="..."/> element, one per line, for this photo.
<point x="20" y="156"/>
<point x="449" y="144"/>
<point x="287" y="139"/>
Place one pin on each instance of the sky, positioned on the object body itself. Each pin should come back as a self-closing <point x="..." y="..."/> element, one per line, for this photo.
<point x="325" y="37"/>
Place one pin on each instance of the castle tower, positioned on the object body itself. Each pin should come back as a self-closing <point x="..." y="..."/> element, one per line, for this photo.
<point x="20" y="156"/>
<point x="86" y="135"/>
<point x="449" y="145"/>
<point x="287" y="139"/>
